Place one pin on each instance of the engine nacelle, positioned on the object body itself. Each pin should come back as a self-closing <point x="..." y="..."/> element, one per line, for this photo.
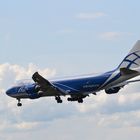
<point x="32" y="91"/>
<point x="112" y="90"/>
<point x="37" y="88"/>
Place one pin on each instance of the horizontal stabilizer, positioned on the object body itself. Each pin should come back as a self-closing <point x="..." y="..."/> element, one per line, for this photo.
<point x="125" y="71"/>
<point x="126" y="83"/>
<point x="133" y="81"/>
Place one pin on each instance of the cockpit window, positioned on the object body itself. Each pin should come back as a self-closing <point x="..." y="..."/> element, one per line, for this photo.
<point x="14" y="90"/>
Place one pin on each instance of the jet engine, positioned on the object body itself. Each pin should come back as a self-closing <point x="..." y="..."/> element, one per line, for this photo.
<point x="112" y="90"/>
<point x="33" y="91"/>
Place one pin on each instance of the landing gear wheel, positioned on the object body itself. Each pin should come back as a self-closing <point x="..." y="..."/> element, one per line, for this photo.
<point x="19" y="104"/>
<point x="80" y="100"/>
<point x="69" y="99"/>
<point x="58" y="99"/>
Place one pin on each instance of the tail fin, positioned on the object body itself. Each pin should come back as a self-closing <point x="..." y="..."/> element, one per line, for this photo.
<point x="132" y="60"/>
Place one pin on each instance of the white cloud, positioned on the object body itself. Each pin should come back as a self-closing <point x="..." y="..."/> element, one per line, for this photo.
<point x="90" y="16"/>
<point x="79" y="127"/>
<point x="9" y="74"/>
<point x="113" y="35"/>
<point x="26" y="125"/>
<point x="99" y="113"/>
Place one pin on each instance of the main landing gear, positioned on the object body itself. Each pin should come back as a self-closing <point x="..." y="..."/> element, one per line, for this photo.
<point x="79" y="100"/>
<point x="19" y="103"/>
<point x="58" y="99"/>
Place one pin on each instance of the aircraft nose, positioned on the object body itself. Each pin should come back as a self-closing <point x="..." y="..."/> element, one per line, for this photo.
<point x="8" y="92"/>
<point x="11" y="92"/>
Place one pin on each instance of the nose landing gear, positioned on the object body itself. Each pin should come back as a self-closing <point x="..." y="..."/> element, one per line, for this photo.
<point x="19" y="103"/>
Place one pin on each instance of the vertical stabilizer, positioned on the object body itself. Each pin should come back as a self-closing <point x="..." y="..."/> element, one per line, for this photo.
<point x="132" y="60"/>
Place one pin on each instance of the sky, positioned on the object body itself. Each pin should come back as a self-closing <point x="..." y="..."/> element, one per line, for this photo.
<point x="63" y="38"/>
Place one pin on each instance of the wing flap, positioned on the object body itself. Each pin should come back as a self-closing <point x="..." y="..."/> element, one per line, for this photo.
<point x="41" y="80"/>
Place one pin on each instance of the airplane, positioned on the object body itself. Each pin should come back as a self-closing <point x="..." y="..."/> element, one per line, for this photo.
<point x="79" y="88"/>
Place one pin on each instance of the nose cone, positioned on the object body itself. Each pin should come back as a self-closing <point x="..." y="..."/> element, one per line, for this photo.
<point x="9" y="92"/>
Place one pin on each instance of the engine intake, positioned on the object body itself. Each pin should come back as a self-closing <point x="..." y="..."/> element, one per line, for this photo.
<point x="33" y="91"/>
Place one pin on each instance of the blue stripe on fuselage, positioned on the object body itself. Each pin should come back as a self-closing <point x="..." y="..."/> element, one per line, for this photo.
<point x="88" y="84"/>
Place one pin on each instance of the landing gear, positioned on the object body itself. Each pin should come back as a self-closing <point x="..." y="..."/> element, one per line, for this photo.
<point x="19" y="103"/>
<point x="80" y="100"/>
<point x="58" y="99"/>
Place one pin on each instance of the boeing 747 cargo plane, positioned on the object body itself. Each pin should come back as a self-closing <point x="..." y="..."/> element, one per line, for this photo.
<point x="79" y="88"/>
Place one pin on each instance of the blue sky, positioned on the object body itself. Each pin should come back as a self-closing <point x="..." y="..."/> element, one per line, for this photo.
<point x="61" y="38"/>
<point x="52" y="33"/>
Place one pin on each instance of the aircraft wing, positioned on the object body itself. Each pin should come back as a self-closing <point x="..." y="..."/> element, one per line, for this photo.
<point x="45" y="85"/>
<point x="126" y="83"/>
